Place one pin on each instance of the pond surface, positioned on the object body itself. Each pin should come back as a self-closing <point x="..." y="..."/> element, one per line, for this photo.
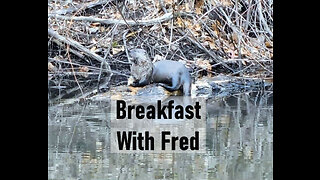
<point x="239" y="144"/>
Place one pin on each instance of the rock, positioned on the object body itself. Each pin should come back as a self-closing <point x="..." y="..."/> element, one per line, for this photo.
<point x="152" y="90"/>
<point x="222" y="86"/>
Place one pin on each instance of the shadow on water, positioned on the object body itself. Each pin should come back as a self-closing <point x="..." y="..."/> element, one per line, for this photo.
<point x="239" y="144"/>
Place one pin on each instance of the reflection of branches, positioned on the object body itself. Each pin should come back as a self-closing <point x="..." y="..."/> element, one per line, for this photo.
<point x="75" y="126"/>
<point x="72" y="69"/>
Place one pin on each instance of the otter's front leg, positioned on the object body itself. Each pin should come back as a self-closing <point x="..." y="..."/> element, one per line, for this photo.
<point x="185" y="91"/>
<point x="175" y="84"/>
<point x="140" y="83"/>
<point x="170" y="88"/>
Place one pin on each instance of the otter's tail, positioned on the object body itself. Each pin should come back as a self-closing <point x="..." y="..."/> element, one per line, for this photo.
<point x="174" y="87"/>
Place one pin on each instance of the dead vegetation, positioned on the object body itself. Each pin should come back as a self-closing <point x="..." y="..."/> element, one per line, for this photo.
<point x="88" y="40"/>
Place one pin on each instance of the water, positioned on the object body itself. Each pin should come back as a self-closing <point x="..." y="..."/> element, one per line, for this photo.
<point x="239" y="144"/>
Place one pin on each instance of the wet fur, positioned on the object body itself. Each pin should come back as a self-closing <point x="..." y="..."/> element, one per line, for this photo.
<point x="171" y="75"/>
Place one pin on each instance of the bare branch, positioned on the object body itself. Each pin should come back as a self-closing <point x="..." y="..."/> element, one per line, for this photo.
<point x="148" y="22"/>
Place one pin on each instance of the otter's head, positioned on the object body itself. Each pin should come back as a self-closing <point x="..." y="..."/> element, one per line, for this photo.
<point x="142" y="66"/>
<point x="138" y="55"/>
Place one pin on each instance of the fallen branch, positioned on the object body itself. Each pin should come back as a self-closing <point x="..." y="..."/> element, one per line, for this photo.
<point x="147" y="22"/>
<point x="78" y="46"/>
<point x="71" y="50"/>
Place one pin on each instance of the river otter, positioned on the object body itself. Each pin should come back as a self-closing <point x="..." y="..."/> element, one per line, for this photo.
<point x="172" y="75"/>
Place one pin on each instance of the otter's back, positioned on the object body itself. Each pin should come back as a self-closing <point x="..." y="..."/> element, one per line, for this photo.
<point x="165" y="70"/>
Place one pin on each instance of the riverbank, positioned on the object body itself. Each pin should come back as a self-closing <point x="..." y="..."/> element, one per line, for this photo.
<point x="88" y="41"/>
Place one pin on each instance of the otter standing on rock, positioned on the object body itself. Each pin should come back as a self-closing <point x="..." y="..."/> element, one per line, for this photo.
<point x="172" y="75"/>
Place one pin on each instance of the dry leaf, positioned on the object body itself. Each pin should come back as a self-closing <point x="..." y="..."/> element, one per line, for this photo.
<point x="205" y="43"/>
<point x="102" y="29"/>
<point x="188" y="24"/>
<point x="166" y="40"/>
<point x="85" y="71"/>
<point x="130" y="34"/>
<point x="204" y="64"/>
<point x="163" y="30"/>
<point x="117" y="50"/>
<point x="51" y="67"/>
<point x="209" y="41"/>
<point x="166" y="24"/>
<point x="234" y="37"/>
<point x="212" y="45"/>
<point x="198" y="6"/>
<point x="93" y="41"/>
<point x="95" y="24"/>
<point x="187" y="7"/>
<point x="179" y="22"/>
<point x="215" y="28"/>
<point x="221" y="2"/>
<point x="245" y="52"/>
<point x="118" y="16"/>
<point x="197" y="27"/>
<point x="93" y="49"/>
<point x="226" y="2"/>
<point x="168" y="2"/>
<point x="269" y="44"/>
<point x="193" y="27"/>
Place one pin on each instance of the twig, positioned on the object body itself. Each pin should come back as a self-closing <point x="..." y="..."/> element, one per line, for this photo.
<point x="266" y="27"/>
<point x="125" y="44"/>
<point x="120" y="11"/>
<point x="88" y="73"/>
<point x="214" y="56"/>
<point x="83" y="7"/>
<point x="246" y="60"/>
<point x="170" y="40"/>
<point x="241" y="70"/>
<point x="103" y="65"/>
<point x="163" y="6"/>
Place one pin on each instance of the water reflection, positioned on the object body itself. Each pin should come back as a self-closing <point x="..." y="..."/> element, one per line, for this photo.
<point x="239" y="144"/>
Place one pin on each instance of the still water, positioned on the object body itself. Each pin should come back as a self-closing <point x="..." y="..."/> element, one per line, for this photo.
<point x="239" y="144"/>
